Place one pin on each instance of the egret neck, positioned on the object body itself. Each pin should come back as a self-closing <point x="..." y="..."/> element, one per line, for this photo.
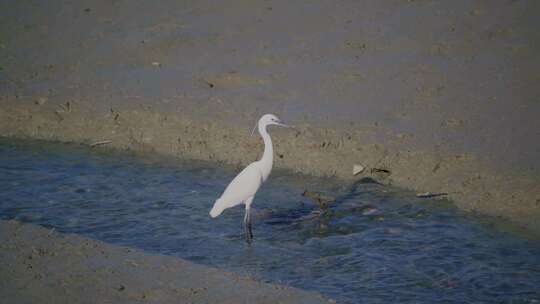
<point x="268" y="155"/>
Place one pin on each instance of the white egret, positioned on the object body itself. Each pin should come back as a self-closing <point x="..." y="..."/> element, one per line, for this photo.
<point x="244" y="186"/>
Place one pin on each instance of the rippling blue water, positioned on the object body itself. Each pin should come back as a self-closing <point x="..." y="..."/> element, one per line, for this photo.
<point x="374" y="245"/>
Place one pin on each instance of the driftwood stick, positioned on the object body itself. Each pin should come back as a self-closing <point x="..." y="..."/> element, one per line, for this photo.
<point x="99" y="143"/>
<point x="429" y="194"/>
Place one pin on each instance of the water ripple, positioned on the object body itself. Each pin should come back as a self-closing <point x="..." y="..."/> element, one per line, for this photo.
<point x="374" y="245"/>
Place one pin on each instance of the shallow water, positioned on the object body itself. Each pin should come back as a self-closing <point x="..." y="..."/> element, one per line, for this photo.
<point x="374" y="245"/>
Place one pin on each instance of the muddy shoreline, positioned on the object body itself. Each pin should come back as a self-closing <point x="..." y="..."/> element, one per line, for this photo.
<point x="427" y="95"/>
<point x="39" y="265"/>
<point x="432" y="96"/>
<point x="305" y="149"/>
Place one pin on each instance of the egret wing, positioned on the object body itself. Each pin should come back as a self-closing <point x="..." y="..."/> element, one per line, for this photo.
<point x="243" y="186"/>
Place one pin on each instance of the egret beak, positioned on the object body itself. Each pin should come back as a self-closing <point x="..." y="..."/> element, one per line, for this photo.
<point x="254" y="127"/>
<point x="283" y="125"/>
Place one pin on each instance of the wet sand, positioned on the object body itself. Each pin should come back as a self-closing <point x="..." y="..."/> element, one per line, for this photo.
<point x="442" y="95"/>
<point x="427" y="95"/>
<point x="510" y="194"/>
<point x="39" y="265"/>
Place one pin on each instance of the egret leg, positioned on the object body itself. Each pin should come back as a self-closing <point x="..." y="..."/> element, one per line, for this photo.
<point x="247" y="227"/>
<point x="248" y="233"/>
<point x="249" y="224"/>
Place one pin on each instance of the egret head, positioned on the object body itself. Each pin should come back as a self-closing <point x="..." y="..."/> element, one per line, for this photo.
<point x="268" y="119"/>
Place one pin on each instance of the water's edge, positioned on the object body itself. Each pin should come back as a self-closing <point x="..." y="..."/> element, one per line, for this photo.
<point x="498" y="192"/>
<point x="42" y="265"/>
<point x="371" y="239"/>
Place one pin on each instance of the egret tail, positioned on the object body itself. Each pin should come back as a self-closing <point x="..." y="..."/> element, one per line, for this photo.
<point x="217" y="209"/>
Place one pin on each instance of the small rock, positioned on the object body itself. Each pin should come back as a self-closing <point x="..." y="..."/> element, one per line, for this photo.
<point x="156" y="64"/>
<point x="357" y="169"/>
<point x="41" y="101"/>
